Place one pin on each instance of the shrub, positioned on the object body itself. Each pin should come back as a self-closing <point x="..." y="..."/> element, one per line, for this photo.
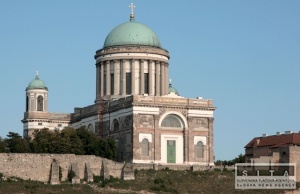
<point x="71" y="175"/>
<point x="60" y="173"/>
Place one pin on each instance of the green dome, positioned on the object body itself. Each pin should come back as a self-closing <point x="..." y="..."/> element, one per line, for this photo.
<point x="36" y="84"/>
<point x="172" y="89"/>
<point x="131" y="33"/>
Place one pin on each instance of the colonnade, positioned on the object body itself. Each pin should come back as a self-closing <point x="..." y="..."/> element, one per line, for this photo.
<point x="131" y="77"/>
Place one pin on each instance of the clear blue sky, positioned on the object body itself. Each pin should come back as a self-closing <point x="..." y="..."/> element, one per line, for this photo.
<point x="245" y="55"/>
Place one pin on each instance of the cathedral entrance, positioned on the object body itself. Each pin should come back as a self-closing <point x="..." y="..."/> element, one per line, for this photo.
<point x="171" y="151"/>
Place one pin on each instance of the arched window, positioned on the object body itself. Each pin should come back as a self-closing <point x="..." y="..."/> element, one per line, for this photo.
<point x="115" y="125"/>
<point x="27" y="103"/>
<point x="90" y="128"/>
<point x="199" y="149"/>
<point x="173" y="121"/>
<point x="145" y="147"/>
<point x="40" y="103"/>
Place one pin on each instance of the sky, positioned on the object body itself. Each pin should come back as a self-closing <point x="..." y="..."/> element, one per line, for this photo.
<point x="245" y="55"/>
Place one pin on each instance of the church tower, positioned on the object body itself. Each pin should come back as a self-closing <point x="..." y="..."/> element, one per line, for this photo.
<point x="36" y="115"/>
<point x="36" y="96"/>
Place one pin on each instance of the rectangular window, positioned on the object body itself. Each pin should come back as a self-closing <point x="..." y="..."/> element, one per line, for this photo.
<point x="40" y="123"/>
<point x="128" y="83"/>
<point x="59" y="125"/>
<point x="112" y="85"/>
<point x="104" y="84"/>
<point x="146" y="83"/>
<point x="171" y="151"/>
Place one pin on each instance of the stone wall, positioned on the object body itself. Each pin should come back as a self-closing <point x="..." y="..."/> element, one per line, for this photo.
<point x="38" y="166"/>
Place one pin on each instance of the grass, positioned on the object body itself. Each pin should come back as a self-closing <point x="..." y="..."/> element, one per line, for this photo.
<point x="163" y="181"/>
<point x="32" y="187"/>
<point x="170" y="181"/>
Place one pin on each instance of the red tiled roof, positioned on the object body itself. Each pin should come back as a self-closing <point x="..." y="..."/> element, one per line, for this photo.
<point x="276" y="140"/>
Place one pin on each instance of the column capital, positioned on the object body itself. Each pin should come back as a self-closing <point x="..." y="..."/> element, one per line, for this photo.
<point x="116" y="61"/>
<point x="107" y="62"/>
<point x="157" y="62"/>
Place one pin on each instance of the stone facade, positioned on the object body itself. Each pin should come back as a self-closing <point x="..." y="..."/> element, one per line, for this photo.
<point x="38" y="166"/>
<point x="132" y="119"/>
<point x="289" y="154"/>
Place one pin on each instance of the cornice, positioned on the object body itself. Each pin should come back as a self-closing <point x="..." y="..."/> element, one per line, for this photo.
<point x="131" y="49"/>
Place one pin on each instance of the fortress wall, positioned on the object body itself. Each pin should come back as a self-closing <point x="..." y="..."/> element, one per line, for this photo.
<point x="38" y="166"/>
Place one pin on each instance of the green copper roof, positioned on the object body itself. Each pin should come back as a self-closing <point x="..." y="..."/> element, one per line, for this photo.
<point x="36" y="84"/>
<point x="131" y="33"/>
<point x="172" y="89"/>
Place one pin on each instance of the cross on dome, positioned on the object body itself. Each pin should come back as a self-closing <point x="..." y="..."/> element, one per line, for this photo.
<point x="131" y="6"/>
<point x="37" y="74"/>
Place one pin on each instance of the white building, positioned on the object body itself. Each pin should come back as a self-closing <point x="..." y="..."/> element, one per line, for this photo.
<point x="134" y="104"/>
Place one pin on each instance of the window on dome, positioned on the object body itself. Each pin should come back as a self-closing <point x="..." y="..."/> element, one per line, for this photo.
<point x="40" y="103"/>
<point x="145" y="147"/>
<point x="172" y="121"/>
<point x="128" y="83"/>
<point x="146" y="83"/>
<point x="199" y="149"/>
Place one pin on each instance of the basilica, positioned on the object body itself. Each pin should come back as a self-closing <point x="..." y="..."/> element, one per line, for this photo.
<point x="135" y="104"/>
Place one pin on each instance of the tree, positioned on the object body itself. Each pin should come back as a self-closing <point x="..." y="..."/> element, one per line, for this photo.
<point x="74" y="143"/>
<point x="2" y="145"/>
<point x="89" y="140"/>
<point x="17" y="144"/>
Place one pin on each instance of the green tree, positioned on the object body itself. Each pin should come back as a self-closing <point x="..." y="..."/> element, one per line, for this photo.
<point x="2" y="145"/>
<point x="72" y="141"/>
<point x="17" y="144"/>
<point x="44" y="141"/>
<point x="89" y="140"/>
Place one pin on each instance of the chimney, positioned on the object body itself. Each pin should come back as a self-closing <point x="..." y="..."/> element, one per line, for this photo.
<point x="278" y="133"/>
<point x="265" y="135"/>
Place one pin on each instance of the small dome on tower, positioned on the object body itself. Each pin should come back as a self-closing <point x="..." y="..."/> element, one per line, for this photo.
<point x="171" y="89"/>
<point x="36" y="84"/>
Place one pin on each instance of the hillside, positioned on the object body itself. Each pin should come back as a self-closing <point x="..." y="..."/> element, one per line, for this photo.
<point x="147" y="181"/>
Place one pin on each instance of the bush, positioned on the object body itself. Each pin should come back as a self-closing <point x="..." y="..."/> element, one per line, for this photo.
<point x="71" y="175"/>
<point x="60" y="173"/>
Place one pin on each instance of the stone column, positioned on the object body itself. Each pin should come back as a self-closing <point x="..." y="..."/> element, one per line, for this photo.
<point x="156" y="139"/>
<point x="157" y="80"/>
<point x="116" y="77"/>
<point x="123" y="77"/>
<point x="108" y="78"/>
<point x="132" y="76"/>
<point x="166" y="79"/>
<point x="97" y="81"/>
<point x="210" y="142"/>
<point x="101" y="79"/>
<point x="142" y="80"/>
<point x="162" y="77"/>
<point x="151" y="80"/>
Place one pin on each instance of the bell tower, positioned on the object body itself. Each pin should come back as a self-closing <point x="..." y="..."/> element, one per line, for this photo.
<point x="36" y="114"/>
<point x="36" y="96"/>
